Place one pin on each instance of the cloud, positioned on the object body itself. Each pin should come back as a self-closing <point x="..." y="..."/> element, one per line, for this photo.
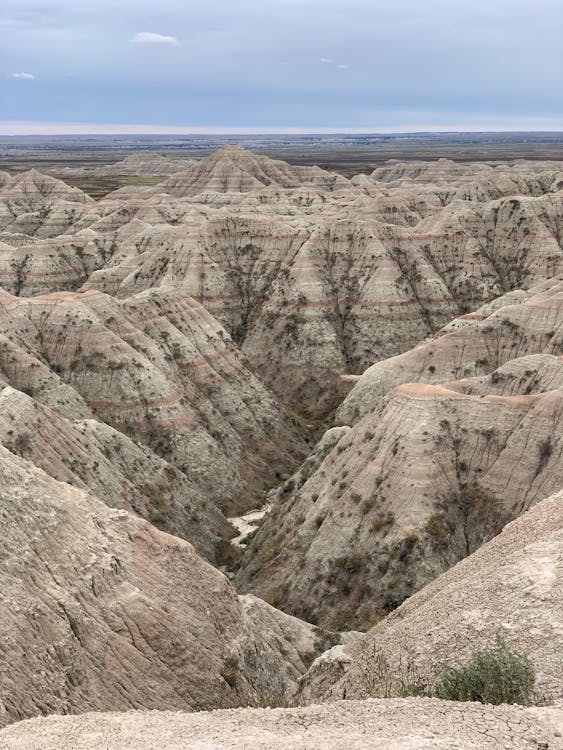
<point x="148" y="37"/>
<point x="328" y="61"/>
<point x="26" y="76"/>
<point x="231" y="53"/>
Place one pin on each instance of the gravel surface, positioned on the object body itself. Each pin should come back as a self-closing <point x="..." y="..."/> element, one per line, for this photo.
<point x="393" y="724"/>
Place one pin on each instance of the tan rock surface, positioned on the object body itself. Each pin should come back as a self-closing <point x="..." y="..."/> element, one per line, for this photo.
<point x="313" y="275"/>
<point x="414" y="724"/>
<point x="124" y="474"/>
<point x="100" y="611"/>
<point x="416" y="485"/>
<point x="234" y="169"/>
<point x="119" y="378"/>
<point x="31" y="190"/>
<point x="476" y="344"/>
<point x="161" y="370"/>
<point x="513" y="585"/>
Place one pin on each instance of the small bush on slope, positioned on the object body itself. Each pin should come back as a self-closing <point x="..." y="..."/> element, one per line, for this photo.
<point x="493" y="675"/>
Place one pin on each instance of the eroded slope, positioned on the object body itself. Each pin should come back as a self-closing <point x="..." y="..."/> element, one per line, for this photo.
<point x="426" y="473"/>
<point x="158" y="368"/>
<point x="512" y="587"/>
<point x="313" y="275"/>
<point x="102" y="612"/>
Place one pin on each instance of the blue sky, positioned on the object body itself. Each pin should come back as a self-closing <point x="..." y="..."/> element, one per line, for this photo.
<point x="270" y="65"/>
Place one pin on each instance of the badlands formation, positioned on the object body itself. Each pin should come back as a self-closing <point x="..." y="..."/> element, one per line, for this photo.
<point x="138" y="163"/>
<point x="314" y="276"/>
<point x="421" y="473"/>
<point x="376" y="361"/>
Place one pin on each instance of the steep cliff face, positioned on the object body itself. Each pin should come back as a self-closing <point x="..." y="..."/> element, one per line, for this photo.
<point x="158" y="368"/>
<point x="103" y="612"/>
<point x="339" y="293"/>
<point x="512" y="586"/>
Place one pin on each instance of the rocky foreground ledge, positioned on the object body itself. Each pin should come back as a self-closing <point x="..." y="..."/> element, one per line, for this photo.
<point x="387" y="724"/>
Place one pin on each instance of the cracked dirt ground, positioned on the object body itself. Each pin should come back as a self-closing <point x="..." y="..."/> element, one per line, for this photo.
<point x="393" y="724"/>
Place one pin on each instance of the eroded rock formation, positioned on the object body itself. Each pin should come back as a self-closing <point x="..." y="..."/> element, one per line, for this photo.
<point x="100" y="611"/>
<point x="167" y="354"/>
<point x="313" y="275"/>
<point x="512" y="587"/>
<point x="158" y="368"/>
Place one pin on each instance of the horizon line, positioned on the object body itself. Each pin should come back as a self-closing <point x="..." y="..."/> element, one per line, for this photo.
<point x="15" y="128"/>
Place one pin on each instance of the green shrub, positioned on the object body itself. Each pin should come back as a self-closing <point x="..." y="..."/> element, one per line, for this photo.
<point x="493" y="675"/>
<point x="437" y="529"/>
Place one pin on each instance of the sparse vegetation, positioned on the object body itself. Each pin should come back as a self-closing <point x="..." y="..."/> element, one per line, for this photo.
<point x="230" y="670"/>
<point x="493" y="675"/>
<point x="166" y="375"/>
<point x="436" y="528"/>
<point x="463" y="520"/>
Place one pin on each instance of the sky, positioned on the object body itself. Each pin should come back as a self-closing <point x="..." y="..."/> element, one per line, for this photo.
<point x="180" y="66"/>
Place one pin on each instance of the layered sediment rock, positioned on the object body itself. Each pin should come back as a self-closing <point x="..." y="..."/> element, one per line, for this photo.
<point x="412" y="488"/>
<point x="158" y="368"/>
<point x="135" y="376"/>
<point x="476" y="344"/>
<point x="90" y="455"/>
<point x="313" y="275"/>
<point x="437" y="459"/>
